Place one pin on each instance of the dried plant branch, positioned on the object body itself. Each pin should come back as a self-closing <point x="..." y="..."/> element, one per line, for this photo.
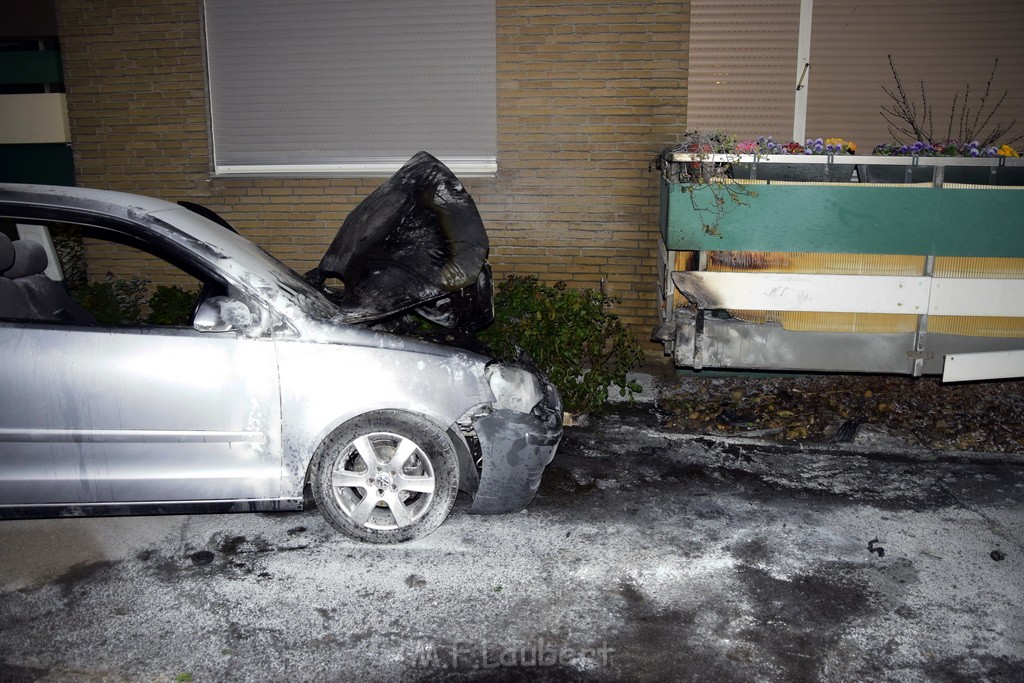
<point x="927" y="111"/>
<point x="904" y="120"/>
<point x="988" y="90"/>
<point x="952" y="114"/>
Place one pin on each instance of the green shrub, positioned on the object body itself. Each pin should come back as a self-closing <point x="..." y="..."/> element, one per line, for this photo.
<point x="114" y="301"/>
<point x="171" y="306"/>
<point x="67" y="240"/>
<point x="569" y="334"/>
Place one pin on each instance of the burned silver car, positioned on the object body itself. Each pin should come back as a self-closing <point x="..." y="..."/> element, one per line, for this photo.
<point x="278" y="385"/>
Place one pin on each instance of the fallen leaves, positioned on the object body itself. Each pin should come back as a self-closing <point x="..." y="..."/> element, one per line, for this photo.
<point x="983" y="416"/>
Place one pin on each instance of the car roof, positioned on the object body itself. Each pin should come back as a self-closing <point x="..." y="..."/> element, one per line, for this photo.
<point x="105" y="203"/>
<point x="80" y="197"/>
<point x="168" y="217"/>
<point x="234" y="253"/>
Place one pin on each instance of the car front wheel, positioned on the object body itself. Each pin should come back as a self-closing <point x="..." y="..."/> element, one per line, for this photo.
<point x="386" y="477"/>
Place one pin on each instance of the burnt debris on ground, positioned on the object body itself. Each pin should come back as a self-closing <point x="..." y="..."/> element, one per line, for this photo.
<point x="921" y="412"/>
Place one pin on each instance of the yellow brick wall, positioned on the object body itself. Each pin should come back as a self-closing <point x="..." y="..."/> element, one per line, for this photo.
<point x="588" y="94"/>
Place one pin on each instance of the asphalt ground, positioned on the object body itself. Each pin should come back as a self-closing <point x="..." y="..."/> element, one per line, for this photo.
<point x="646" y="555"/>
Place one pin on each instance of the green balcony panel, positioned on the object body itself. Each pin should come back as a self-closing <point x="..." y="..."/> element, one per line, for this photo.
<point x="855" y="219"/>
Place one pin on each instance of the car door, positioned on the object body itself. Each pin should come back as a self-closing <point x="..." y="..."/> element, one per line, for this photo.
<point x="136" y="413"/>
<point x="102" y="415"/>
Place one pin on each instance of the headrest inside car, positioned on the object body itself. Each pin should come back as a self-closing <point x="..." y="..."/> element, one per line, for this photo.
<point x="6" y="252"/>
<point x="29" y="259"/>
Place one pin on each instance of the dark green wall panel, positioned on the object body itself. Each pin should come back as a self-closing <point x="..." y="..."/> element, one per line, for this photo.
<point x="850" y="219"/>
<point x="30" y="66"/>
<point x="43" y="164"/>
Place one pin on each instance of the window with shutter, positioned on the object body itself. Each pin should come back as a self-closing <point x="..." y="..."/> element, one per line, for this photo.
<point x="742" y="66"/>
<point x="944" y="43"/>
<point x="351" y="87"/>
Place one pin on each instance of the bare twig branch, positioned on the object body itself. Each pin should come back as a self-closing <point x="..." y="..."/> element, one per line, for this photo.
<point x="928" y="114"/>
<point x="904" y="119"/>
<point x="952" y="112"/>
<point x="999" y="131"/>
<point x="988" y="89"/>
<point x="962" y="134"/>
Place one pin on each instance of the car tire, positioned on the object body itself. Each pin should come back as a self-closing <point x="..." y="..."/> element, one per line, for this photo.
<point x="386" y="477"/>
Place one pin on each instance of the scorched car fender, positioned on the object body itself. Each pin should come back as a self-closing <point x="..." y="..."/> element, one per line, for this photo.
<point x="516" y="447"/>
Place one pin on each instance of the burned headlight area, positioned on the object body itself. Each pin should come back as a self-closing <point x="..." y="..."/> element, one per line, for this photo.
<point x="517" y="438"/>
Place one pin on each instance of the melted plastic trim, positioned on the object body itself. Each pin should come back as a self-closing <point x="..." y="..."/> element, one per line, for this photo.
<point x="516" y="447"/>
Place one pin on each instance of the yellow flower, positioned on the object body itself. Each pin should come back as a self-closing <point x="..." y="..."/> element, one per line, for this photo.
<point x="1007" y="151"/>
<point x="848" y="147"/>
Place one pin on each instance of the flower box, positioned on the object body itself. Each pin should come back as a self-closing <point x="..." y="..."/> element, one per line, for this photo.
<point x="940" y="171"/>
<point x="763" y="169"/>
<point x="937" y="170"/>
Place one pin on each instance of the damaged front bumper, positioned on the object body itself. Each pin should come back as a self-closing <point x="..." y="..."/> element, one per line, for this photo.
<point x="515" y="447"/>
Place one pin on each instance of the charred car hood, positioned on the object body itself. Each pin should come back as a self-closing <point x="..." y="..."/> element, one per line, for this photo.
<point x="416" y="244"/>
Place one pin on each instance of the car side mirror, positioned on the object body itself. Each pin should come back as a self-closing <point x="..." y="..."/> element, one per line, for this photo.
<point x="222" y="314"/>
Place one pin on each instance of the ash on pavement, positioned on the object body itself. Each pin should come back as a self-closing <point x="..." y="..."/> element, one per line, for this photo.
<point x="647" y="555"/>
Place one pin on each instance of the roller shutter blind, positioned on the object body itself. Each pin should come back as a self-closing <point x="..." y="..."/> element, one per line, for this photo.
<point x="742" y="66"/>
<point x="945" y="43"/>
<point x="351" y="87"/>
<point x="743" y="63"/>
